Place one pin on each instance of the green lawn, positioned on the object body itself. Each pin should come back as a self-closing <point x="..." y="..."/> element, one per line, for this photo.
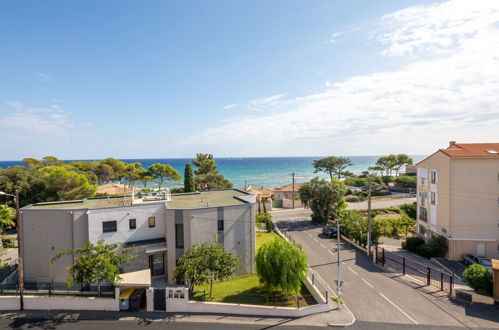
<point x="245" y="289"/>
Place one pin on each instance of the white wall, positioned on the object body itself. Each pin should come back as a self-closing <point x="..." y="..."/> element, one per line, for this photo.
<point x="122" y="215"/>
<point x="60" y="303"/>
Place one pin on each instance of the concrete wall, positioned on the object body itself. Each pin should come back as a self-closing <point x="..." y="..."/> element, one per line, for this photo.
<point x="46" y="233"/>
<point x="60" y="303"/>
<point x="122" y="215"/>
<point x="9" y="303"/>
<point x="288" y="203"/>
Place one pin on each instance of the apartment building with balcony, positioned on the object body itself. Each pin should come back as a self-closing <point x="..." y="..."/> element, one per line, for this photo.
<point x="458" y="198"/>
<point x="160" y="229"/>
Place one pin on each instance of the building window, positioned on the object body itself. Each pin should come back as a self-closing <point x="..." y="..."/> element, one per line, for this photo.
<point x="132" y="223"/>
<point x="422" y="230"/>
<point x="220" y="225"/>
<point x="433" y="177"/>
<point x="179" y="236"/>
<point x="152" y="222"/>
<point x="423" y="213"/>
<point x="109" y="226"/>
<point x="433" y="198"/>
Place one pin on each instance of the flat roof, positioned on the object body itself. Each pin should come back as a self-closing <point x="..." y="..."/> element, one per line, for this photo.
<point x="203" y="199"/>
<point x="212" y="198"/>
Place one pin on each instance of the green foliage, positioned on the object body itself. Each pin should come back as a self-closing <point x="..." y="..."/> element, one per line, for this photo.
<point x="406" y="181"/>
<point x="163" y="172"/>
<point x="356" y="182"/>
<point x="324" y="198"/>
<point x="413" y="243"/>
<point x="387" y="164"/>
<point x="205" y="262"/>
<point x="65" y="184"/>
<point x="354" y="226"/>
<point x="265" y="218"/>
<point x="479" y="278"/>
<point x="334" y="166"/>
<point x="7" y="215"/>
<point x="94" y="263"/>
<point x="8" y="242"/>
<point x="207" y="175"/>
<point x="146" y="190"/>
<point x="188" y="179"/>
<point x="178" y="190"/>
<point x="410" y="209"/>
<point x="281" y="266"/>
<point x="436" y="246"/>
<point x="354" y="199"/>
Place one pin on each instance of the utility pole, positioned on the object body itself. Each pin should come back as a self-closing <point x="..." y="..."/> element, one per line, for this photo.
<point x="293" y="192"/>
<point x="20" y="252"/>
<point x="369" y="216"/>
<point x="338" y="283"/>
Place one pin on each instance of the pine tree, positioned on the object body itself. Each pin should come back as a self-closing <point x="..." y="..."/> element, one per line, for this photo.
<point x="188" y="179"/>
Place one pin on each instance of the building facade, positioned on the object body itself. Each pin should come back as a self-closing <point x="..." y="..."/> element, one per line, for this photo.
<point x="458" y="198"/>
<point x="159" y="231"/>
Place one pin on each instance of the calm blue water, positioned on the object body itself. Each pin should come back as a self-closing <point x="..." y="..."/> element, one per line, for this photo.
<point x="256" y="171"/>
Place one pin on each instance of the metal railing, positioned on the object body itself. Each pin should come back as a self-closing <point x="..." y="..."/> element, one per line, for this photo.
<point x="50" y="288"/>
<point x="429" y="275"/>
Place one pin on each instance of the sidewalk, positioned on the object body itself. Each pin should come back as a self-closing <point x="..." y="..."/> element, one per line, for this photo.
<point x="335" y="317"/>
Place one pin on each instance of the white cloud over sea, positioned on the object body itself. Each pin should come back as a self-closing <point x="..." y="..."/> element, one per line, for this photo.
<point x="448" y="89"/>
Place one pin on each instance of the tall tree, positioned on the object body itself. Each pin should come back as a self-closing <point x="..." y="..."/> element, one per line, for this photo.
<point x="204" y="263"/>
<point x="52" y="161"/>
<point x="385" y="165"/>
<point x="205" y="164"/>
<point x="207" y="175"/>
<point x="7" y="215"/>
<point x="281" y="266"/>
<point x="95" y="263"/>
<point x="162" y="173"/>
<point x="32" y="162"/>
<point x="334" y="166"/>
<point x="188" y="179"/>
<point x="66" y="184"/>
<point x="323" y="197"/>
<point x="401" y="161"/>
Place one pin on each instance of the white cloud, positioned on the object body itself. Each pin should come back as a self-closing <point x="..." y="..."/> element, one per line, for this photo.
<point x="44" y="77"/>
<point x="230" y="106"/>
<point x="50" y="121"/>
<point x="449" y="91"/>
<point x="334" y="37"/>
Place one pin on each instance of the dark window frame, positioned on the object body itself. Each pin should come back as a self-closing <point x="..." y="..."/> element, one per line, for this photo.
<point x="132" y="224"/>
<point x="220" y="225"/>
<point x="153" y="223"/>
<point x="179" y="239"/>
<point x="113" y="229"/>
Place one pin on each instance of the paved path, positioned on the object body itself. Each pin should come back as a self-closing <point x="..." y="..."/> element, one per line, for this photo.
<point x="374" y="295"/>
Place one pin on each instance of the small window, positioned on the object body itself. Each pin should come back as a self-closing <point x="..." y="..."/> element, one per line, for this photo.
<point x="433" y="175"/>
<point x="433" y="197"/>
<point x="220" y="225"/>
<point x="109" y="226"/>
<point x="152" y="222"/>
<point x="132" y="223"/>
<point x="179" y="236"/>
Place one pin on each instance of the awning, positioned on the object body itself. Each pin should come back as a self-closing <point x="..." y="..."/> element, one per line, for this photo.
<point x="138" y="279"/>
<point x="155" y="249"/>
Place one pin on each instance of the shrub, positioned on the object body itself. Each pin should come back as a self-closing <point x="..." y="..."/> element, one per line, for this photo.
<point x="410" y="209"/>
<point x="406" y="181"/>
<point x="479" y="278"/>
<point x="9" y="242"/>
<point x="265" y="218"/>
<point x="380" y="192"/>
<point x="179" y="190"/>
<point x="437" y="246"/>
<point x="387" y="179"/>
<point x="412" y="243"/>
<point x="355" y="182"/>
<point x="354" y="199"/>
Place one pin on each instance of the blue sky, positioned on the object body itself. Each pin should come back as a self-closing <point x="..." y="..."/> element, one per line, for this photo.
<point x="145" y="79"/>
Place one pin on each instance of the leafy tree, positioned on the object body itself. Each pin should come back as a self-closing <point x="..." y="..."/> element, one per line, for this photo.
<point x="410" y="209"/>
<point x="118" y="168"/>
<point x="265" y="218"/>
<point x="188" y="179"/>
<point x="354" y="226"/>
<point x="407" y="222"/>
<point x="95" y="263"/>
<point x="52" y="161"/>
<point x="32" y="162"/>
<point x="104" y="173"/>
<point x="281" y="266"/>
<point x="205" y="262"/>
<point x="64" y="184"/>
<point x="385" y="165"/>
<point x="334" y="166"/>
<point x="163" y="172"/>
<point x="145" y="177"/>
<point x="133" y="172"/>
<point x="401" y="161"/>
<point x="207" y="175"/>
<point x="323" y="197"/>
<point x="28" y="181"/>
<point x="7" y="215"/>
<point x="406" y="181"/>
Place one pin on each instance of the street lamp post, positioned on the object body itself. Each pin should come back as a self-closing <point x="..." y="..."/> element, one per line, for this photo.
<point x="20" y="272"/>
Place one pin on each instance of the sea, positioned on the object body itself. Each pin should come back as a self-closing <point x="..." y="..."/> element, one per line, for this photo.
<point x="255" y="171"/>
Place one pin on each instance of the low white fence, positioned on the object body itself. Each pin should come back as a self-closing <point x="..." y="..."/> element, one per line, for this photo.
<point x="177" y="301"/>
<point x="61" y="303"/>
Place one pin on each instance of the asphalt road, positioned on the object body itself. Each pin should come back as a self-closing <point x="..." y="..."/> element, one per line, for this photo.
<point x="371" y="294"/>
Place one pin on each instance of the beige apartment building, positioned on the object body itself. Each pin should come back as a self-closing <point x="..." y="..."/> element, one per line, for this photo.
<point x="458" y="198"/>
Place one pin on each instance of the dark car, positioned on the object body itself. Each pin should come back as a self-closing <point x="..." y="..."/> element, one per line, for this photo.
<point x="330" y="231"/>
<point x="470" y="259"/>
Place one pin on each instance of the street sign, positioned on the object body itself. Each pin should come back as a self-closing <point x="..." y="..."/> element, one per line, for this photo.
<point x="340" y="283"/>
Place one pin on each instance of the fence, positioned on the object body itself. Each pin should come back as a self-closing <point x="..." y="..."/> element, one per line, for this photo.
<point x="40" y="287"/>
<point x="6" y="271"/>
<point x="429" y="275"/>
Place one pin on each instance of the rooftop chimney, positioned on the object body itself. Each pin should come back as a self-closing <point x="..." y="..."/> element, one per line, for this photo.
<point x="451" y="143"/>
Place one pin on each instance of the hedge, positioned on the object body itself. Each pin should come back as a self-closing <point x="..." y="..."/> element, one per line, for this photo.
<point x="479" y="278"/>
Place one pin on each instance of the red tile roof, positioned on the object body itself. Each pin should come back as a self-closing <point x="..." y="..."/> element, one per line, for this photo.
<point x="289" y="187"/>
<point x="472" y="150"/>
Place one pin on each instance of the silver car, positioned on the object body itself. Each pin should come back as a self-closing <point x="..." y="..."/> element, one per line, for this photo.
<point x="470" y="259"/>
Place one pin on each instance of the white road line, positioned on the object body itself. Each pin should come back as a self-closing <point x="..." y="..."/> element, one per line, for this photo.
<point x="369" y="284"/>
<point x="315" y="239"/>
<point x="353" y="271"/>
<point x="331" y="252"/>
<point x="391" y="302"/>
<point x="323" y="246"/>
<point x="309" y="234"/>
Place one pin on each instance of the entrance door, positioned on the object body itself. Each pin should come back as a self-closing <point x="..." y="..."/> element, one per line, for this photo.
<point x="157" y="264"/>
<point x="159" y="300"/>
<point x="480" y="250"/>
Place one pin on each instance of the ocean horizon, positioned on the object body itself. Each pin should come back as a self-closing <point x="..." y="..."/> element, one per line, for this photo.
<point x="256" y="171"/>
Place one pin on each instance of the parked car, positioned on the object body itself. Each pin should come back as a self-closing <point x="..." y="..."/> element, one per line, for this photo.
<point x="330" y="231"/>
<point x="470" y="259"/>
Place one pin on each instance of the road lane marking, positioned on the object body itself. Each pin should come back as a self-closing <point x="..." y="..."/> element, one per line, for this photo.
<point x="353" y="271"/>
<point x="315" y="239"/>
<point x="309" y="234"/>
<point x="369" y="284"/>
<point x="331" y="252"/>
<point x="391" y="302"/>
<point x="323" y="246"/>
